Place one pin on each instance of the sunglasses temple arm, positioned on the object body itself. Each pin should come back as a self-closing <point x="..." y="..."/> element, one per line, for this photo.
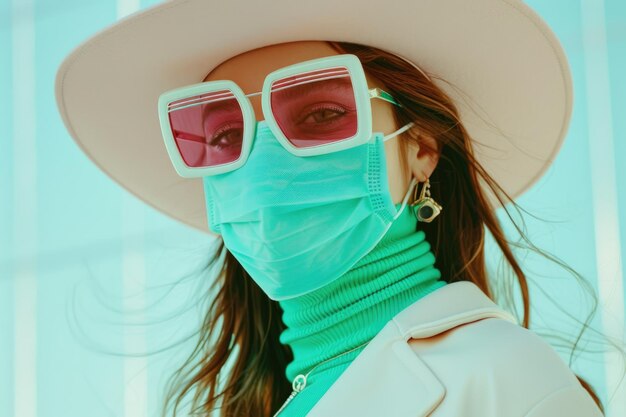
<point x="383" y="95"/>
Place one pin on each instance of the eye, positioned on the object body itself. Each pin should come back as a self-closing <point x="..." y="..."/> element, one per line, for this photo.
<point x="227" y="137"/>
<point x="323" y="114"/>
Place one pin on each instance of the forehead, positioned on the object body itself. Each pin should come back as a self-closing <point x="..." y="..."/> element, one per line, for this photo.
<point x="249" y="69"/>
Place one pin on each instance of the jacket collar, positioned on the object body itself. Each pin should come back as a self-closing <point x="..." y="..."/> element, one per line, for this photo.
<point x="388" y="371"/>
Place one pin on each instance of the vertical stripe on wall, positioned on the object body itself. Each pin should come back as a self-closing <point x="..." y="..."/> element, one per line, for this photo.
<point x="604" y="193"/>
<point x="133" y="288"/>
<point x="133" y="293"/>
<point x="25" y="208"/>
<point x="126" y="7"/>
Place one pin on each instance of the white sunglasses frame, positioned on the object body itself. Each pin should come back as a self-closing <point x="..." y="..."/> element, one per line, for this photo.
<point x="363" y="95"/>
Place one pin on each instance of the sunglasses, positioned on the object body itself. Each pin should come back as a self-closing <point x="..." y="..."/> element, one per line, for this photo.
<point x="312" y="107"/>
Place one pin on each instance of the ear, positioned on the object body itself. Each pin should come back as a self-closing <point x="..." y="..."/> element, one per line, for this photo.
<point x="423" y="158"/>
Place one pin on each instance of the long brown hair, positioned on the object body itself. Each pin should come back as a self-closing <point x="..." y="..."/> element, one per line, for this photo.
<point x="243" y="325"/>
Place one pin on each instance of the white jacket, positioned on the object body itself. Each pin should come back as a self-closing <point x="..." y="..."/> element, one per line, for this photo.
<point x="456" y="353"/>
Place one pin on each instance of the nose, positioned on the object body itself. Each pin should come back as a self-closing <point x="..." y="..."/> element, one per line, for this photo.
<point x="257" y="107"/>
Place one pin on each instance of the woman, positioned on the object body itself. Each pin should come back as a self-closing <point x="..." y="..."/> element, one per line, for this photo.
<point x="346" y="288"/>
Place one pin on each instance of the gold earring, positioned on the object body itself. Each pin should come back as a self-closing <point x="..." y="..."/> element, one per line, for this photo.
<point x="426" y="209"/>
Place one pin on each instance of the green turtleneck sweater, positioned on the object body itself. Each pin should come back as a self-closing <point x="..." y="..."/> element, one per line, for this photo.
<point x="352" y="309"/>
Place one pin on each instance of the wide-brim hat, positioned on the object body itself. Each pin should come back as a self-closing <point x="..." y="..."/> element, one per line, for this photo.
<point x="510" y="78"/>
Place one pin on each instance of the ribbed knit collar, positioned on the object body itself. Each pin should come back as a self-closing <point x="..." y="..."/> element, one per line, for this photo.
<point x="352" y="309"/>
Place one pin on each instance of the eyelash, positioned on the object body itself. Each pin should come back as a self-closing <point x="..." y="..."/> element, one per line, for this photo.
<point x="216" y="138"/>
<point x="318" y="108"/>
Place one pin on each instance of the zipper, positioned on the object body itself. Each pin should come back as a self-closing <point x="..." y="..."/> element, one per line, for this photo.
<point x="298" y="384"/>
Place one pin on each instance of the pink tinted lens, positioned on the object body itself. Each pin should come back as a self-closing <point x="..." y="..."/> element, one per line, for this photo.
<point x="316" y="107"/>
<point x="207" y="128"/>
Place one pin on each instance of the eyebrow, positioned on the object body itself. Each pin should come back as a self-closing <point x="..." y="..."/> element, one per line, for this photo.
<point x="230" y="103"/>
<point x="296" y="91"/>
<point x="227" y="104"/>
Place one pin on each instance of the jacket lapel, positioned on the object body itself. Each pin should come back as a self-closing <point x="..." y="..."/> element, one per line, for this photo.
<point x="388" y="378"/>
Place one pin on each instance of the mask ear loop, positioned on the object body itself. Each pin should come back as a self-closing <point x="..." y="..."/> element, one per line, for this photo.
<point x="406" y="197"/>
<point x="397" y="132"/>
<point x="413" y="179"/>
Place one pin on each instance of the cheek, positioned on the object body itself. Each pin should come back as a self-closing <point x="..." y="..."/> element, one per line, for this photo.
<point x="397" y="183"/>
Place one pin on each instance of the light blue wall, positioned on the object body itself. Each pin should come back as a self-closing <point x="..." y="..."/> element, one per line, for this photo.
<point x="581" y="202"/>
<point x="88" y="272"/>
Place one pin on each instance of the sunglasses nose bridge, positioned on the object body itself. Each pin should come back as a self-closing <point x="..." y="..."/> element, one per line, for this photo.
<point x="259" y="116"/>
<point x="256" y="103"/>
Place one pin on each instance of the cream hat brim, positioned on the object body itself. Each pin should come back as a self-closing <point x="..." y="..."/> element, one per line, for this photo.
<point x="506" y="61"/>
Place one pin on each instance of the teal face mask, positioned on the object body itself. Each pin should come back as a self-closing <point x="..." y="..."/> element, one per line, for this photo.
<point x="297" y="223"/>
